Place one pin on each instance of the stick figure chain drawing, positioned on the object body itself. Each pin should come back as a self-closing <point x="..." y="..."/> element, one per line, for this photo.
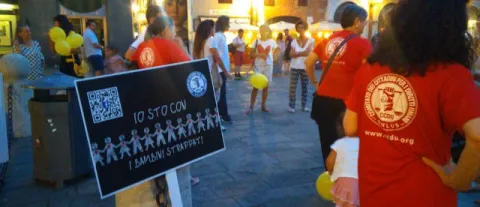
<point x="200" y="125"/>
<point x="170" y="131"/>
<point x="148" y="139"/>
<point x="123" y="146"/>
<point x="109" y="148"/>
<point x="190" y="127"/>
<point x="159" y="134"/>
<point x="137" y="146"/>
<point x="217" y="117"/>
<point x="181" y="130"/>
<point x="209" y="117"/>
<point x="96" y="154"/>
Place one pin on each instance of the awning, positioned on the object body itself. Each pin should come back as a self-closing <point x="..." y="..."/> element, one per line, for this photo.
<point x="246" y="27"/>
<point x="280" y="26"/>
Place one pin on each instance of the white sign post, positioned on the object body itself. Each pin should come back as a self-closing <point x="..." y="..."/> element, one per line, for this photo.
<point x="3" y="126"/>
<point x="174" y="188"/>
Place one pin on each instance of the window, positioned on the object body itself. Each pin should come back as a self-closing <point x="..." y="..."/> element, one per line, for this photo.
<point x="269" y="2"/>
<point x="302" y="2"/>
<point x="225" y="1"/>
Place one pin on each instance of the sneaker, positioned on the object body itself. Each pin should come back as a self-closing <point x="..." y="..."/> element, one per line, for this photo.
<point x="291" y="110"/>
<point x="305" y="109"/>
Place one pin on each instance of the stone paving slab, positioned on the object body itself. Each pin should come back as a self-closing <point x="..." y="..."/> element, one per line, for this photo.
<point x="272" y="160"/>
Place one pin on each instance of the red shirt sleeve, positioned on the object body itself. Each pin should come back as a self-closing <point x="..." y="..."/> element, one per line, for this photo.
<point x="459" y="99"/>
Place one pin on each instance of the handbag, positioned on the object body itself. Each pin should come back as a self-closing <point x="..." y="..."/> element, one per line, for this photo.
<point x="314" y="113"/>
<point x="82" y="69"/>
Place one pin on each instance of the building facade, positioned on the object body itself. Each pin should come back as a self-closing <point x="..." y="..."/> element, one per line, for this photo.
<point x="257" y="12"/>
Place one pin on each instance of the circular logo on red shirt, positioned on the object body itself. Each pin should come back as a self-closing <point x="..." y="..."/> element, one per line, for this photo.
<point x="332" y="46"/>
<point x="390" y="102"/>
<point x="147" y="57"/>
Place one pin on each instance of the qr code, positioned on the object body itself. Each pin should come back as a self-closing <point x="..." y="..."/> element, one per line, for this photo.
<point x="105" y="104"/>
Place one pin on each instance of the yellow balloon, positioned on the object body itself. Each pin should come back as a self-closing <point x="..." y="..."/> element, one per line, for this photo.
<point x="57" y="34"/>
<point x="75" y="40"/>
<point x="259" y="81"/>
<point x="63" y="48"/>
<point x="324" y="185"/>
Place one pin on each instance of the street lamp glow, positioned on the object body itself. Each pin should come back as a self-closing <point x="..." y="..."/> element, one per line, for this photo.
<point x="308" y="34"/>
<point x="135" y="8"/>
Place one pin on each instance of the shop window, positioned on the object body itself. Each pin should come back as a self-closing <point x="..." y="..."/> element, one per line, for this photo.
<point x="269" y="2"/>
<point x="302" y="2"/>
<point x="225" y="1"/>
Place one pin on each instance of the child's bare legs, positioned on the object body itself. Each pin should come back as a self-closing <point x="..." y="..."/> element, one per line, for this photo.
<point x="253" y="97"/>
<point x="264" y="99"/>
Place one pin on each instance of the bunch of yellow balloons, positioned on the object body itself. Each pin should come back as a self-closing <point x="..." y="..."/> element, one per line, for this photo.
<point x="64" y="44"/>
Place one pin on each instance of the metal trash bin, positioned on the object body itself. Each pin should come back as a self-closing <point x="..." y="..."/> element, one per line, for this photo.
<point x="60" y="147"/>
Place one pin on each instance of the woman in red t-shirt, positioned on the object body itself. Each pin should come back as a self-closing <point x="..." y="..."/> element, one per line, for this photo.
<point x="407" y="102"/>
<point x="328" y="104"/>
<point x="162" y="49"/>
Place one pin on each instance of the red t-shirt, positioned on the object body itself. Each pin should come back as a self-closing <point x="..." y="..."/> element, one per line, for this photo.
<point x="158" y="51"/>
<point x="402" y="119"/>
<point x="339" y="79"/>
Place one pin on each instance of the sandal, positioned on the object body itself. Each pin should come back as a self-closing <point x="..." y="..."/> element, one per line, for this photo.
<point x="265" y="109"/>
<point x="248" y="111"/>
<point x="194" y="180"/>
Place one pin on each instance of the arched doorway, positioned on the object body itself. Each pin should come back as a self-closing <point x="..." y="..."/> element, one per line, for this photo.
<point x="338" y="12"/>
<point x="383" y="15"/>
<point x="289" y="19"/>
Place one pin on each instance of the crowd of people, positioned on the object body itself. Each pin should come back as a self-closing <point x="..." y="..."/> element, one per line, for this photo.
<point x="386" y="114"/>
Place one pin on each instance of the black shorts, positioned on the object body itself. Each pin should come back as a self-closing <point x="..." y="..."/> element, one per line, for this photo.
<point x="96" y="61"/>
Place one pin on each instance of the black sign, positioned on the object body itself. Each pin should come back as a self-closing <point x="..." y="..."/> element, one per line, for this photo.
<point x="143" y="123"/>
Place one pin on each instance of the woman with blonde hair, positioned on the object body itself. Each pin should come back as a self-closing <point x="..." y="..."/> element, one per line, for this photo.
<point x="262" y="51"/>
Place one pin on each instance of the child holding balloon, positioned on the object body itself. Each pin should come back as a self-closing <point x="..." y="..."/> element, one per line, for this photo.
<point x="342" y="163"/>
<point x="263" y="50"/>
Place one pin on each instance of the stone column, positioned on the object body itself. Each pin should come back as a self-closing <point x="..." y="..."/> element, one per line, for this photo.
<point x="39" y="14"/>
<point x="119" y="24"/>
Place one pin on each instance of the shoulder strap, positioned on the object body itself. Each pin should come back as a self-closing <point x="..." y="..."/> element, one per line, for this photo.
<point x="332" y="57"/>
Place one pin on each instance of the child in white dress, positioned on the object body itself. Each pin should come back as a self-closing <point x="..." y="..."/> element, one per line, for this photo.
<point x="342" y="163"/>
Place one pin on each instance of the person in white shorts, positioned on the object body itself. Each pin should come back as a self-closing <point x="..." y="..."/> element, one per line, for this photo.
<point x="262" y="51"/>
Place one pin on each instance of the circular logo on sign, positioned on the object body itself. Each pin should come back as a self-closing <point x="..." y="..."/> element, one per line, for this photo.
<point x="147" y="57"/>
<point x="197" y="84"/>
<point x="332" y="46"/>
<point x="390" y="102"/>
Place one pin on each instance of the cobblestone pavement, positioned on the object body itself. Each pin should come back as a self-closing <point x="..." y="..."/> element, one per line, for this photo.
<point x="271" y="160"/>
